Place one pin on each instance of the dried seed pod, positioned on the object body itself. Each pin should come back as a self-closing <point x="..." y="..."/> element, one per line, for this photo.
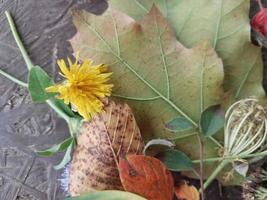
<point x="101" y="142"/>
<point x="245" y="132"/>
<point x="245" y="128"/>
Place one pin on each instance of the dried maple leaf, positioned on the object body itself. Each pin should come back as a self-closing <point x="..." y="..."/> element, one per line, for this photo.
<point x="146" y="176"/>
<point x="159" y="77"/>
<point x="186" y="192"/>
<point x="101" y="141"/>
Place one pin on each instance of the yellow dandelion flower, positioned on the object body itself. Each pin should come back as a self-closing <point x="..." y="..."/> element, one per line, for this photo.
<point x="85" y="86"/>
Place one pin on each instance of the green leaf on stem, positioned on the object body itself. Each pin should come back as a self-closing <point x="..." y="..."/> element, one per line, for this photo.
<point x="179" y="124"/>
<point x="66" y="158"/>
<point x="176" y="160"/>
<point x="212" y="120"/>
<point x="38" y="82"/>
<point x="108" y="195"/>
<point x="56" y="148"/>
<point x="64" y="107"/>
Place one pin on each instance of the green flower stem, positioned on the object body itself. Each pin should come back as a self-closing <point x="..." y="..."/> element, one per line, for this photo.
<point x="215" y="141"/>
<point x="18" y="41"/>
<point x="58" y="111"/>
<point x="201" y="164"/>
<point x="49" y="102"/>
<point x="29" y="64"/>
<point x="12" y="78"/>
<point x="215" y="173"/>
<point x="212" y="159"/>
<point x="182" y="136"/>
<point x="260" y="154"/>
<point x="75" y="126"/>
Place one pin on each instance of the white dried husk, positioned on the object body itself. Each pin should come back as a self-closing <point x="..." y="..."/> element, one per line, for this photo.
<point x="245" y="128"/>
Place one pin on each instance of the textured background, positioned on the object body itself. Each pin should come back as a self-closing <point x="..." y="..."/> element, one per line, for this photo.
<point x="45" y="26"/>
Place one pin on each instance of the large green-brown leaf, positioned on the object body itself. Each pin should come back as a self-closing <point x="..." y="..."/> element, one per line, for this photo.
<point x="225" y="23"/>
<point x="159" y="76"/>
<point x="102" y="140"/>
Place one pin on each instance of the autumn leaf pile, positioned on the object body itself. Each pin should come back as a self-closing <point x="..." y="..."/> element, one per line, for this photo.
<point x="108" y="157"/>
<point x="174" y="59"/>
<point x="177" y="66"/>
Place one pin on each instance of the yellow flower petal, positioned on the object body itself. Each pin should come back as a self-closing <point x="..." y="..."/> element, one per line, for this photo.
<point x="63" y="67"/>
<point x="54" y="88"/>
<point x="85" y="87"/>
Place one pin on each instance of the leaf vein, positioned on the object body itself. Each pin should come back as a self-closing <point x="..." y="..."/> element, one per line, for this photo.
<point x="137" y="98"/>
<point x="116" y="35"/>
<point x="245" y="78"/>
<point x="141" y="6"/>
<point x="218" y="26"/>
<point x="162" y="53"/>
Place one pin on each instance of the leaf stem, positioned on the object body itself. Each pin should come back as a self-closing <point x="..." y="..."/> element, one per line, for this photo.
<point x="215" y="141"/>
<point x="215" y="173"/>
<point x="183" y="136"/>
<point x="177" y="109"/>
<point x="12" y="78"/>
<point x="75" y="125"/>
<point x="18" y="40"/>
<point x="260" y="154"/>
<point x="59" y="112"/>
<point x="195" y="172"/>
<point x="201" y="164"/>
<point x="141" y="6"/>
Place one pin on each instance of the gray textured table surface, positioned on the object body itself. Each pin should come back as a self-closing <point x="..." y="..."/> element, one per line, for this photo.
<point x="45" y="26"/>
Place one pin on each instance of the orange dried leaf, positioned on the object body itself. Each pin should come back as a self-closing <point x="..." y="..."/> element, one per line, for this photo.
<point x="146" y="176"/>
<point x="186" y="192"/>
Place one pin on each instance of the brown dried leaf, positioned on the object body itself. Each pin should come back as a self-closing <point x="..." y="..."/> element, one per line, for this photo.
<point x="186" y="192"/>
<point x="146" y="176"/>
<point x="101" y="141"/>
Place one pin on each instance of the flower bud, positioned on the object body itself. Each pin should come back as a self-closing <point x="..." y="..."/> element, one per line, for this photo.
<point x="245" y="128"/>
<point x="259" y="22"/>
